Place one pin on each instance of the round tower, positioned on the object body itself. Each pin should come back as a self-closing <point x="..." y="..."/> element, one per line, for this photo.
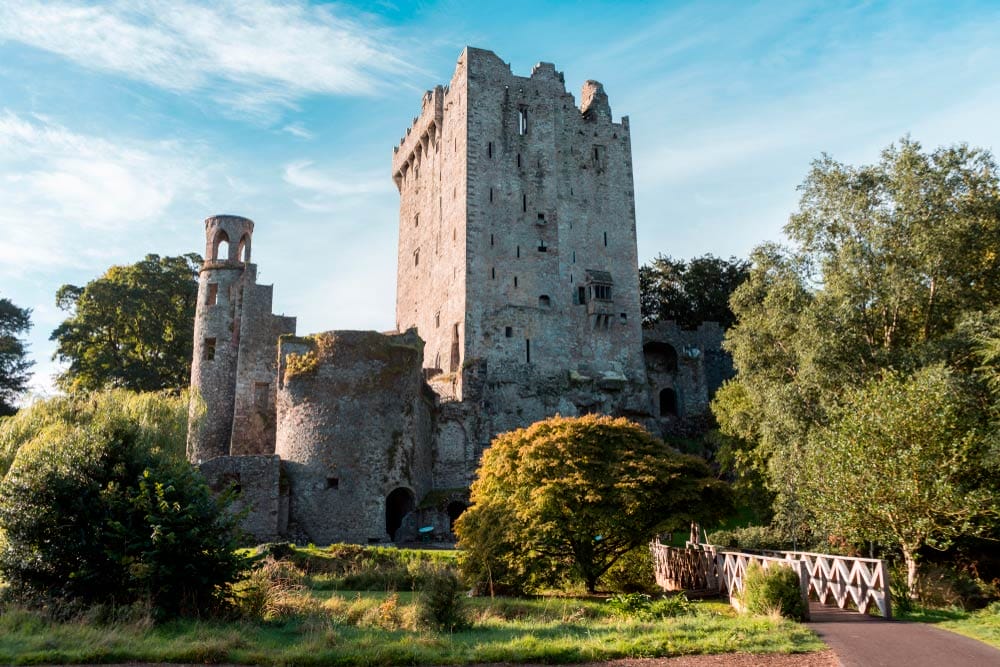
<point x="217" y="334"/>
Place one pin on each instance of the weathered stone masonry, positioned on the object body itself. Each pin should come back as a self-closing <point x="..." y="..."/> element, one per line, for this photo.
<point x="517" y="290"/>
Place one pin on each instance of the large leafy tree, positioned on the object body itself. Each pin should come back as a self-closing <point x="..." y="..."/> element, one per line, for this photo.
<point x="133" y="327"/>
<point x="99" y="506"/>
<point x="690" y="292"/>
<point x="14" y="362"/>
<point x="567" y="497"/>
<point x="886" y="267"/>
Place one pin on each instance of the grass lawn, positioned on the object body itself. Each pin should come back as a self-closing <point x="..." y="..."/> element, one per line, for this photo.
<point x="983" y="625"/>
<point x="368" y="628"/>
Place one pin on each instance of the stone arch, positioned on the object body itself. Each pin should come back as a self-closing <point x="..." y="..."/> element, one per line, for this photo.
<point x="668" y="402"/>
<point x="398" y="504"/>
<point x="243" y="254"/>
<point x="544" y="302"/>
<point x="220" y="246"/>
<point x="660" y="357"/>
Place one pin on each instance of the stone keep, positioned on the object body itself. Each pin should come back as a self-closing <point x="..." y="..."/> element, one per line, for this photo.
<point x="517" y="298"/>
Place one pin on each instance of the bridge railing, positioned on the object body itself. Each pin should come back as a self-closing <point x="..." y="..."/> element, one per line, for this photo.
<point x="838" y="579"/>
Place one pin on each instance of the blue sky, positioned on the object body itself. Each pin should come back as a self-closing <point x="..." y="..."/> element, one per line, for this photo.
<point x="123" y="124"/>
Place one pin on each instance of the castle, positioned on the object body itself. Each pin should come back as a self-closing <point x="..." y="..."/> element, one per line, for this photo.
<point x="517" y="298"/>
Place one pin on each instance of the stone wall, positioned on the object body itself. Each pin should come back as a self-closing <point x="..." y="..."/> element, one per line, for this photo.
<point x="354" y="431"/>
<point x="259" y="491"/>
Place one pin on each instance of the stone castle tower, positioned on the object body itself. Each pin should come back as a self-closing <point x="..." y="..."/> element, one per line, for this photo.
<point x="517" y="242"/>
<point x="517" y="299"/>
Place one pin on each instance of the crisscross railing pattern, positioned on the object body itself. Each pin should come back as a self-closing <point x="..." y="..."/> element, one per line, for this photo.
<point x="843" y="579"/>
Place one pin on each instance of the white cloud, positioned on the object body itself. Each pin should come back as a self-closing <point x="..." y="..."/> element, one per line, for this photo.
<point x="251" y="54"/>
<point x="61" y="190"/>
<point x="297" y="130"/>
<point x="329" y="190"/>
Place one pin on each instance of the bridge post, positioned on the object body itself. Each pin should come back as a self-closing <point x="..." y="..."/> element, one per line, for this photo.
<point x="803" y="571"/>
<point x="887" y="596"/>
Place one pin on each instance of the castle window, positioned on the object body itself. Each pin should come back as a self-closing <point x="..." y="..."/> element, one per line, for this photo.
<point x="261" y="395"/>
<point x="542" y="247"/>
<point x="605" y="239"/>
<point x="493" y="273"/>
<point x="508" y="332"/>
<point x="244" y="250"/>
<point x="416" y="220"/>
<point x="518" y="160"/>
<point x="624" y="317"/>
<point x="208" y="351"/>
<point x="581" y="294"/>
<point x="515" y="281"/>
<point x="544" y="301"/>
<point x="491" y="195"/>
<point x="212" y="294"/>
<point x="524" y="203"/>
<point x="489" y="149"/>
<point x="527" y="350"/>
<point x="599" y="157"/>
<point x="541" y="218"/>
<point x="416" y="257"/>
<point x="437" y="319"/>
<point x="332" y="483"/>
<point x="518" y="251"/>
<point x="491" y="239"/>
<point x="522" y="121"/>
<point x="602" y="292"/>
<point x="574" y="256"/>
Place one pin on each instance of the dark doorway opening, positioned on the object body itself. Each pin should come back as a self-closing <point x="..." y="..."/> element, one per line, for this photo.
<point x="455" y="509"/>
<point x="398" y="504"/>
<point x="668" y="403"/>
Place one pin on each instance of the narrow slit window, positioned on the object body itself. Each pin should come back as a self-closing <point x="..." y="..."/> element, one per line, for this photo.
<point x="605" y="239"/>
<point x="515" y="281"/>
<point x="524" y="203"/>
<point x="332" y="483"/>
<point x="491" y="240"/>
<point x="574" y="256"/>
<point x="518" y="160"/>
<point x="522" y="121"/>
<point x="208" y="352"/>
<point x="489" y="149"/>
<point x="491" y="195"/>
<point x="518" y="251"/>
<point x="212" y="294"/>
<point x="416" y="220"/>
<point x="437" y="319"/>
<point x="527" y="350"/>
<point x="581" y="294"/>
<point x="416" y="257"/>
<point x="493" y="273"/>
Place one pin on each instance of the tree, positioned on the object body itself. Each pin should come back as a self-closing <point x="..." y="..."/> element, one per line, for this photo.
<point x="14" y="362"/>
<point x="886" y="267"/>
<point x="896" y="464"/>
<point x="98" y="508"/>
<point x="133" y="327"/>
<point x="690" y="292"/>
<point x="566" y="497"/>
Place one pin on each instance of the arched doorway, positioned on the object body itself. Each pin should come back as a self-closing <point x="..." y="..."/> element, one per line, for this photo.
<point x="398" y="504"/>
<point x="668" y="403"/>
<point x="660" y="357"/>
<point x="455" y="509"/>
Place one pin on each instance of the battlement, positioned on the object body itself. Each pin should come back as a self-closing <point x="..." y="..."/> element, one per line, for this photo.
<point x="421" y="136"/>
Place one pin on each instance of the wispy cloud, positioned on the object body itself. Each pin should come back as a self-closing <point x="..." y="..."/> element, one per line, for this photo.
<point x="332" y="189"/>
<point x="63" y="190"/>
<point x="251" y="54"/>
<point x="297" y="130"/>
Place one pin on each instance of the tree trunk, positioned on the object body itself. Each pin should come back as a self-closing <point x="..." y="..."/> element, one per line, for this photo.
<point x="591" y="585"/>
<point x="910" y="558"/>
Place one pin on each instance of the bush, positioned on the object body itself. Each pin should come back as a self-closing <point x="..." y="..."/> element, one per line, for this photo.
<point x="442" y="603"/>
<point x="632" y="573"/>
<point x="773" y="590"/>
<point x="754" y="538"/>
<point x="133" y="524"/>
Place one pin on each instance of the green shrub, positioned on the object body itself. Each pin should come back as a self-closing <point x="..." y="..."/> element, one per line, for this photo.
<point x="629" y="604"/>
<point x="773" y="590"/>
<point x="96" y="509"/>
<point x="632" y="573"/>
<point x="442" y="603"/>
<point x="899" y="591"/>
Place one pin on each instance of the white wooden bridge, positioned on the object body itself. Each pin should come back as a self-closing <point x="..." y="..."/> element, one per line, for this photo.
<point x="861" y="583"/>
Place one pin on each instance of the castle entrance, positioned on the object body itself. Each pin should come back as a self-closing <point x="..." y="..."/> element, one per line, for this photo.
<point x="398" y="504"/>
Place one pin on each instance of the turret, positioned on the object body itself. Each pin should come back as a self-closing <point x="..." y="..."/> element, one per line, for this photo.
<point x="221" y="285"/>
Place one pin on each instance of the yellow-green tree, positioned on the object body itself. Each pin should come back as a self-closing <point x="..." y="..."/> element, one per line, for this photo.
<point x="566" y="497"/>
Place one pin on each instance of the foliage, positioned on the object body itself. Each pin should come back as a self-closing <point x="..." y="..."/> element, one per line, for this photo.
<point x="14" y="362"/>
<point x="775" y="589"/>
<point x="632" y="573"/>
<point x="133" y="522"/>
<point x="753" y="538"/>
<point x="161" y="421"/>
<point x="133" y="327"/>
<point x="442" y="601"/>
<point x="893" y="462"/>
<point x="690" y="292"/>
<point x="890" y="267"/>
<point x="643" y="606"/>
<point x="566" y="497"/>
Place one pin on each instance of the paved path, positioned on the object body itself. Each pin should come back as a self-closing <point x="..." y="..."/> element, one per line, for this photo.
<point x="860" y="640"/>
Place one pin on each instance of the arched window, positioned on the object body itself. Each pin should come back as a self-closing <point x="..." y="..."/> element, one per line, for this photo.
<point x="668" y="403"/>
<point x="544" y="301"/>
<point x="244" y="252"/>
<point x="220" y="247"/>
